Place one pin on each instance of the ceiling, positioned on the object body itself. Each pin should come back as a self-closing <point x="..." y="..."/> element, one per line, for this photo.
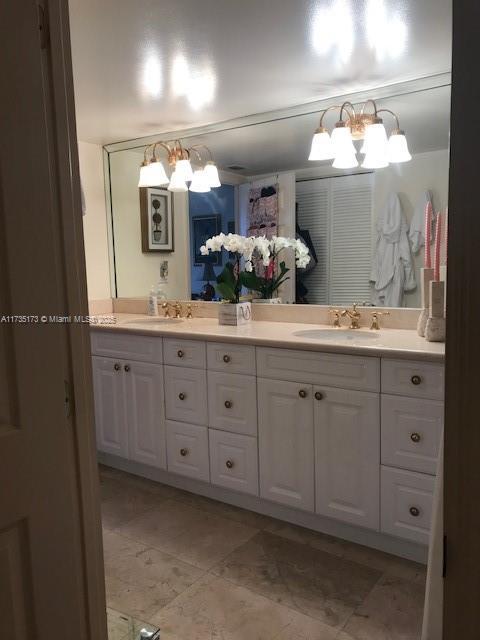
<point x="142" y="67"/>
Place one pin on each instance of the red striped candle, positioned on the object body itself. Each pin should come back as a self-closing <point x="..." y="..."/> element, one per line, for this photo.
<point x="438" y="244"/>
<point x="428" y="235"/>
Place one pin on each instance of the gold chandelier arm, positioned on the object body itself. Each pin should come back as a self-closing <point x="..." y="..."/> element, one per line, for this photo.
<point x="371" y="101"/>
<point x="344" y="108"/>
<point x="164" y="145"/>
<point x="324" y="113"/>
<point x="393" y="114"/>
<point x="196" y="152"/>
<point x="149" y="147"/>
<point x="202" y="146"/>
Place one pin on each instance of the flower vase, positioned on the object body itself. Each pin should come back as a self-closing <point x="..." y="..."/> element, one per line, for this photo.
<point x="234" y="314"/>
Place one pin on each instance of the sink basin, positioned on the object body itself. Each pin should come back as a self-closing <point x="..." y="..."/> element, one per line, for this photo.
<point x="339" y="335"/>
<point x="154" y="320"/>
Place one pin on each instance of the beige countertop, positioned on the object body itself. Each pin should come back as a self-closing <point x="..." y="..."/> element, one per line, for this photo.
<point x="394" y="343"/>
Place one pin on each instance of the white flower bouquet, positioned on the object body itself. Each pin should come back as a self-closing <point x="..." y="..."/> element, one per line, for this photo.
<point x="260" y="252"/>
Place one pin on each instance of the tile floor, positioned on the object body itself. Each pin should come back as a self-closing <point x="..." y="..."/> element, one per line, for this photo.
<point x="204" y="570"/>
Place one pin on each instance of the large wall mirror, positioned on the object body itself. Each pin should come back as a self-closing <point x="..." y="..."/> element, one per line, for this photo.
<point x="342" y="214"/>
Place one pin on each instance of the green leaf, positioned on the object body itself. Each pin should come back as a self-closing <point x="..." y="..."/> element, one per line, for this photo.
<point x="226" y="291"/>
<point x="250" y="280"/>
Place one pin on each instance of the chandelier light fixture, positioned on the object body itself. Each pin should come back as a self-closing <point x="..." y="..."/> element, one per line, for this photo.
<point x="202" y="179"/>
<point x="378" y="149"/>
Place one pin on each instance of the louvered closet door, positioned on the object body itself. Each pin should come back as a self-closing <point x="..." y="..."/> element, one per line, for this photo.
<point x="338" y="214"/>
<point x="350" y="238"/>
<point x="313" y="198"/>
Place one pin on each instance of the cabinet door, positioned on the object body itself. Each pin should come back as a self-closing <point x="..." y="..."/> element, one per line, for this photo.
<point x="285" y="432"/>
<point x="145" y="413"/>
<point x="109" y="392"/>
<point x="347" y="455"/>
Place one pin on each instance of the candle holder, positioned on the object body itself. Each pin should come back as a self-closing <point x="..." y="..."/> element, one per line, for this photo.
<point x="435" y="329"/>
<point x="426" y="276"/>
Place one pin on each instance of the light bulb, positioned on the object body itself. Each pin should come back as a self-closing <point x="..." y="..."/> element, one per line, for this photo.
<point x="322" y="147"/>
<point x="211" y="174"/>
<point x="152" y="175"/>
<point x="199" y="182"/>
<point x="184" y="169"/>
<point x="177" y="183"/>
<point x="398" y="148"/>
<point x="375" y="138"/>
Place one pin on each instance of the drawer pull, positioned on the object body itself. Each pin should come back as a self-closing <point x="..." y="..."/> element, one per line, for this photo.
<point x="228" y="404"/>
<point x="182" y="396"/>
<point x="184" y="452"/>
<point x="415" y="437"/>
<point x="117" y="367"/>
<point x="127" y="368"/>
<point x="302" y="393"/>
<point x="416" y="380"/>
<point x="414" y="511"/>
<point x="180" y="353"/>
<point x="229" y="464"/>
<point x="318" y="395"/>
<point x="226" y="358"/>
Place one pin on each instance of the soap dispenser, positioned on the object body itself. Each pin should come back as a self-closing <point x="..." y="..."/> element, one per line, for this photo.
<point x="152" y="303"/>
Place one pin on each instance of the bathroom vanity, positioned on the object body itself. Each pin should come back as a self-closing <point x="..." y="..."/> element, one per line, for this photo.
<point x="341" y="438"/>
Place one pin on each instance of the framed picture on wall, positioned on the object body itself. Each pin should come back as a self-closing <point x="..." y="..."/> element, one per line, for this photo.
<point x="156" y="219"/>
<point x="205" y="227"/>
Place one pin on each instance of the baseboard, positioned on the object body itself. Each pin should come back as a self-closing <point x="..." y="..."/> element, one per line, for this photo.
<point x="374" y="539"/>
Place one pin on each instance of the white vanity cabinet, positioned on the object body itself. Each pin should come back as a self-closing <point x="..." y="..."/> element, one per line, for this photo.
<point x="347" y="444"/>
<point x="285" y="433"/>
<point x="129" y="409"/>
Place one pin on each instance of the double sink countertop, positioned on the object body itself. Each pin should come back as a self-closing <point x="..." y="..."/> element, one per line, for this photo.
<point x="392" y="343"/>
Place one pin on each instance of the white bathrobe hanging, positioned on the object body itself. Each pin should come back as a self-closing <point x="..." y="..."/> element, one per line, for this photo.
<point x="392" y="268"/>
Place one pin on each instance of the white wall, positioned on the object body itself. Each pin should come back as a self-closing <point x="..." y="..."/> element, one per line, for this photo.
<point x="95" y="221"/>
<point x="286" y="217"/>
<point x="425" y="172"/>
<point x="136" y="271"/>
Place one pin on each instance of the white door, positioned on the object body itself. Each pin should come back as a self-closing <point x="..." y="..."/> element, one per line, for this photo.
<point x="110" y="417"/>
<point x="285" y="432"/>
<point x="347" y="455"/>
<point x="145" y="413"/>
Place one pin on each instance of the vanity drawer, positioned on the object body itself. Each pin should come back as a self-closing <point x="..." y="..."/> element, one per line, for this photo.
<point x="126" y="346"/>
<point x="187" y="450"/>
<point x="411" y="378"/>
<point x="234" y="461"/>
<point x="411" y="433"/>
<point x="406" y="504"/>
<point x="333" y="370"/>
<point x="232" y="402"/>
<point x="231" y="358"/>
<point x="185" y="353"/>
<point x="186" y="395"/>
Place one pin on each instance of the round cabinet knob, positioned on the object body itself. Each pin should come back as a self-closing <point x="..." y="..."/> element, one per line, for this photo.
<point x="182" y="396"/>
<point x="228" y="404"/>
<point x="415" y="437"/>
<point x="184" y="452"/>
<point x="318" y="395"/>
<point x="302" y="393"/>
<point x="416" y="380"/>
<point x="180" y="353"/>
<point x="226" y="358"/>
<point x="229" y="464"/>
<point x="127" y="368"/>
<point x="414" y="511"/>
<point x="117" y="367"/>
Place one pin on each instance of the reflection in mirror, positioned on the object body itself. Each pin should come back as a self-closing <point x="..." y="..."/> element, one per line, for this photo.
<point x="364" y="225"/>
